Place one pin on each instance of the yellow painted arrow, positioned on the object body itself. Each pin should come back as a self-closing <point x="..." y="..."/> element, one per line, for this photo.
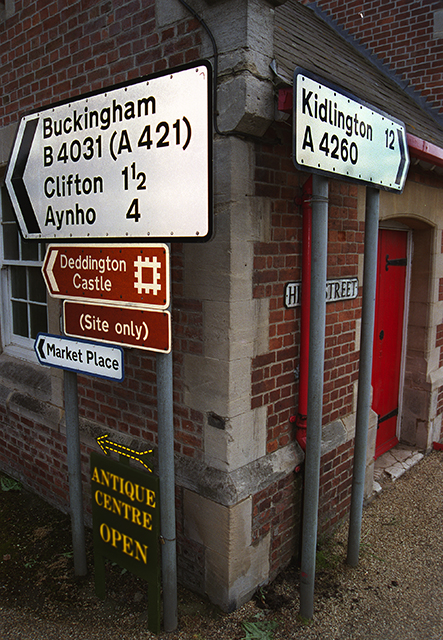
<point x="107" y="446"/>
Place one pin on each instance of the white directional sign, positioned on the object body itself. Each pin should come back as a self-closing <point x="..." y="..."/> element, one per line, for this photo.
<point x="80" y="356"/>
<point x="337" y="134"/>
<point x="132" y="161"/>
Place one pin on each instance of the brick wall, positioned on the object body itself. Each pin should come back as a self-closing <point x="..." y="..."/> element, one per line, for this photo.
<point x="345" y="244"/>
<point x="335" y="486"/>
<point x="62" y="48"/>
<point x="440" y="402"/>
<point x="129" y="407"/>
<point x="276" y="510"/>
<point x="277" y="262"/>
<point x="89" y="44"/>
<point x="36" y="454"/>
<point x="55" y="49"/>
<point x="400" y="33"/>
<point x="439" y="342"/>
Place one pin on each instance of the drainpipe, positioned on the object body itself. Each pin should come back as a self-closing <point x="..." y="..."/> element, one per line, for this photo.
<point x="301" y="418"/>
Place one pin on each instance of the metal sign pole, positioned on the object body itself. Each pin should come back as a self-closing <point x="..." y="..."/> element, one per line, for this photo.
<point x="364" y="375"/>
<point x="315" y="392"/>
<point x="167" y="488"/>
<point x="75" y="473"/>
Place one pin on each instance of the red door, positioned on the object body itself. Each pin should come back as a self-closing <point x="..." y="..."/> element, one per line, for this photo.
<point x="388" y="335"/>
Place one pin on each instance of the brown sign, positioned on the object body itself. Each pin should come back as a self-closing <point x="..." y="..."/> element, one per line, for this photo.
<point x="125" y="326"/>
<point x="133" y="275"/>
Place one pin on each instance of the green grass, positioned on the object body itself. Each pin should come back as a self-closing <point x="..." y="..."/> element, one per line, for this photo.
<point x="263" y="630"/>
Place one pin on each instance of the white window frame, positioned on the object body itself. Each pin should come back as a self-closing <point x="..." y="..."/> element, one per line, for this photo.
<point x="13" y="344"/>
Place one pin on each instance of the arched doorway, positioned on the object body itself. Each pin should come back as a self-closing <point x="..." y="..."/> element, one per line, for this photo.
<point x="401" y="391"/>
<point x="388" y="352"/>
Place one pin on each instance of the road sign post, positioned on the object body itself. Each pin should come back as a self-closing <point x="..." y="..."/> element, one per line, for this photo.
<point x="337" y="134"/>
<point x="75" y="472"/>
<point x="130" y="161"/>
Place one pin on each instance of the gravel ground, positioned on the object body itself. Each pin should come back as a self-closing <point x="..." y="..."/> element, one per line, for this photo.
<point x="395" y="593"/>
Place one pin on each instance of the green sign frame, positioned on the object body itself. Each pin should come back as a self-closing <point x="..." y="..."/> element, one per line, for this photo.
<point x="126" y="526"/>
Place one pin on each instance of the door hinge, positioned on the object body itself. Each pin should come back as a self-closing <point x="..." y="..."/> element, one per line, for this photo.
<point x="398" y="262"/>
<point x="389" y="415"/>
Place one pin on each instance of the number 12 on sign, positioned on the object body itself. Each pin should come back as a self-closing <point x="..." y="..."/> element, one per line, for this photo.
<point x="390" y="139"/>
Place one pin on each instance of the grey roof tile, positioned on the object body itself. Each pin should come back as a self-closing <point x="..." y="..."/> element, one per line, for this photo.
<point x="303" y="39"/>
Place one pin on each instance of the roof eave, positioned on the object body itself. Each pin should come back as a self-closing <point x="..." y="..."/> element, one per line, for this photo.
<point x="423" y="150"/>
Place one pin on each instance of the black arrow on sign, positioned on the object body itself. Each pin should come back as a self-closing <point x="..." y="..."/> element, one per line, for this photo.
<point x="402" y="157"/>
<point x="41" y="342"/>
<point x="17" y="177"/>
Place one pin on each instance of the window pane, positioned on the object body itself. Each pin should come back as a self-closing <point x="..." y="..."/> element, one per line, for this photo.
<point x="18" y="282"/>
<point x="7" y="212"/>
<point x="29" y="250"/>
<point x="19" y="319"/>
<point x="10" y="242"/>
<point x="25" y="290"/>
<point x="38" y="319"/>
<point x="37" y="287"/>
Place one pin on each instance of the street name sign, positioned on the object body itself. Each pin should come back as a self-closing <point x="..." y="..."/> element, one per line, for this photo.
<point x="148" y="329"/>
<point x="336" y="291"/>
<point x="337" y="134"/>
<point x="132" y="275"/>
<point x="133" y="161"/>
<point x="80" y="356"/>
